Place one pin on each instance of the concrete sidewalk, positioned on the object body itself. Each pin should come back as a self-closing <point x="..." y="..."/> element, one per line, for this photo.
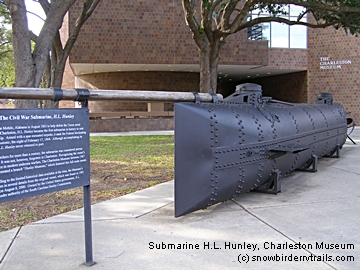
<point x="312" y="224"/>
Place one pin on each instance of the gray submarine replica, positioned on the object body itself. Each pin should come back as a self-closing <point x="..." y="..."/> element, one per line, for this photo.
<point x="248" y="142"/>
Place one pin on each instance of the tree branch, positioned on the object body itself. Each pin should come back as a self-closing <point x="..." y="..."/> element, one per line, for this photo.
<point x="5" y="52"/>
<point x="33" y="37"/>
<point x="206" y="23"/>
<point x="315" y="5"/>
<point x="32" y="13"/>
<point x="57" y="47"/>
<point x="45" y="5"/>
<point x="88" y="9"/>
<point x="5" y="43"/>
<point x="260" y="20"/>
<point x="228" y="11"/>
<point x="216" y="14"/>
<point x="231" y="28"/>
<point x="192" y="23"/>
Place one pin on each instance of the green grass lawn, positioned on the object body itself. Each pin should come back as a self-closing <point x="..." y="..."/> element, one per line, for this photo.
<point x="129" y="148"/>
<point x="153" y="151"/>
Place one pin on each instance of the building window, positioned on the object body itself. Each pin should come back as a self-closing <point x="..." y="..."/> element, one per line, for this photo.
<point x="281" y="35"/>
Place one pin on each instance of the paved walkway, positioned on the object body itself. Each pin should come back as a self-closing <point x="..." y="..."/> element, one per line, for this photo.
<point x="312" y="224"/>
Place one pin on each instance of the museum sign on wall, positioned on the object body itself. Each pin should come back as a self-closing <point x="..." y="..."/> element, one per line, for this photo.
<point x="327" y="63"/>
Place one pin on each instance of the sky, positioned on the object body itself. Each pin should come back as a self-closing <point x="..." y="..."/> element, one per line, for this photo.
<point x="34" y="22"/>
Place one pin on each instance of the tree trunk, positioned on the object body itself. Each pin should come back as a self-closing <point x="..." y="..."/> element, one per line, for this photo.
<point x="205" y="79"/>
<point x="24" y="63"/>
<point x="56" y="81"/>
<point x="209" y="61"/>
<point x="58" y="78"/>
<point x="214" y="63"/>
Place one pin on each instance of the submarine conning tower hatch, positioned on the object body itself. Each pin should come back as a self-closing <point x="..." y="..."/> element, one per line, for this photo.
<point x="249" y="93"/>
<point x="324" y="98"/>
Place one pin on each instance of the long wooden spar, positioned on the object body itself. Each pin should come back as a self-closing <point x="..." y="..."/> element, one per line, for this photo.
<point x="128" y="95"/>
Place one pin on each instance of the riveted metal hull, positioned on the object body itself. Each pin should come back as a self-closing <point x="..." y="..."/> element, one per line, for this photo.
<point x="229" y="148"/>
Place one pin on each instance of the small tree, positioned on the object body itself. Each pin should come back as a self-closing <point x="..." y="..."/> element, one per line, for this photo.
<point x="30" y="64"/>
<point x="212" y="21"/>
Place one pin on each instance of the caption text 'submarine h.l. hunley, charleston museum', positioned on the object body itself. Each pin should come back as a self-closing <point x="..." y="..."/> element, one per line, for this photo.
<point x="146" y="45"/>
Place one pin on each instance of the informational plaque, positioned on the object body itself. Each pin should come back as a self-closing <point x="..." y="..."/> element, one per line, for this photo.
<point x="43" y="151"/>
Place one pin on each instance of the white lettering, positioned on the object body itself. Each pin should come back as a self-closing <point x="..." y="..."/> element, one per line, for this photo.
<point x="326" y="63"/>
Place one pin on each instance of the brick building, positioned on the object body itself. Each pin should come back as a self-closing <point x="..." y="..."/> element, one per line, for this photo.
<point x="146" y="45"/>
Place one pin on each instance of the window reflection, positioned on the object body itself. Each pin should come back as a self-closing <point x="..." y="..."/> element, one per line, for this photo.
<point x="282" y="35"/>
<point x="279" y="35"/>
<point x="298" y="36"/>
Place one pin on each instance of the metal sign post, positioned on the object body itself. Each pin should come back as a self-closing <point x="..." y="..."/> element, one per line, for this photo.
<point x="83" y="98"/>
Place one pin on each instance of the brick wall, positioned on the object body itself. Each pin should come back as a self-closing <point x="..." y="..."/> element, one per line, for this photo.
<point x="124" y="124"/>
<point x="343" y="81"/>
<point x="151" y="81"/>
<point x="150" y="32"/>
<point x="288" y="59"/>
<point x="290" y="87"/>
